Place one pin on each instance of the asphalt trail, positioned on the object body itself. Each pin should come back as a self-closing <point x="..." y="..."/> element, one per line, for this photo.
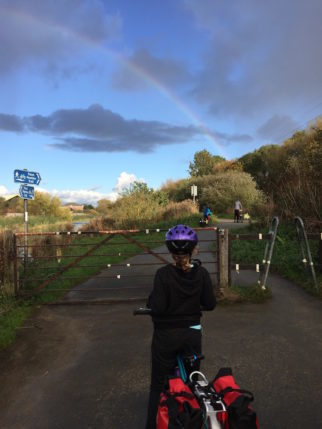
<point x="87" y="366"/>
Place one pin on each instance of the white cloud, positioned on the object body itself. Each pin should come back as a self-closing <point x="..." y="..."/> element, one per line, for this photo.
<point x="125" y="180"/>
<point x="86" y="196"/>
<point x="3" y="191"/>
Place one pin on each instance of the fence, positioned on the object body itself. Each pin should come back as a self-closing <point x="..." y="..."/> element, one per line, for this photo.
<point x="98" y="265"/>
<point x="261" y="267"/>
<point x="121" y="264"/>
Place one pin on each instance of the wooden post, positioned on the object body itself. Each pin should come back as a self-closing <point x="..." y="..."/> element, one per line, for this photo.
<point x="9" y="251"/>
<point x="223" y="268"/>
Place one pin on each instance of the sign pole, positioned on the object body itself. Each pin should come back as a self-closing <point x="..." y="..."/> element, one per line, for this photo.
<point x="26" y="232"/>
<point x="26" y="192"/>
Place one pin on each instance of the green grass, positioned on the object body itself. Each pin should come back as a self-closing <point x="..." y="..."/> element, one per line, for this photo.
<point x="244" y="294"/>
<point x="35" y="223"/>
<point x="113" y="252"/>
<point x="13" y="313"/>
<point x="286" y="260"/>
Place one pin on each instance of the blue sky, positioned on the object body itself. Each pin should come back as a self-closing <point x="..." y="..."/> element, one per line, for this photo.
<point x="98" y="93"/>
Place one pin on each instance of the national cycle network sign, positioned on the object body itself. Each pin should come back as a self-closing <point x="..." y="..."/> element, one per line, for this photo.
<point x="27" y="178"/>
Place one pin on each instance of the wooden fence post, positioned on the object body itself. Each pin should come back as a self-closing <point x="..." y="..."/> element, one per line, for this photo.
<point x="223" y="258"/>
<point x="9" y="251"/>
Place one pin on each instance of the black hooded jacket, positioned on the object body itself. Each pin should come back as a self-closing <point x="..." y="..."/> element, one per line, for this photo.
<point x="177" y="296"/>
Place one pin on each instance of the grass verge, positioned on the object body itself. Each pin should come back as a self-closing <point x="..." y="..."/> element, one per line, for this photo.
<point x="286" y="260"/>
<point x="12" y="315"/>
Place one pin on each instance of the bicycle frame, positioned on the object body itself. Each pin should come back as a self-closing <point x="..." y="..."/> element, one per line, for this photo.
<point x="199" y="387"/>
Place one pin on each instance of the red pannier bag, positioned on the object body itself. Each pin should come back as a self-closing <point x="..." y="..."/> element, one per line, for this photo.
<point x="240" y="414"/>
<point x="178" y="408"/>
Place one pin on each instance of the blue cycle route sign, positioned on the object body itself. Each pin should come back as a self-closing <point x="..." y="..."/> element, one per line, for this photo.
<point x="24" y="176"/>
<point x="27" y="192"/>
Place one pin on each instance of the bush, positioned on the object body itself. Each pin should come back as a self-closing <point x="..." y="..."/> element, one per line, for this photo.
<point x="140" y="214"/>
<point x="224" y="188"/>
<point x="179" y="210"/>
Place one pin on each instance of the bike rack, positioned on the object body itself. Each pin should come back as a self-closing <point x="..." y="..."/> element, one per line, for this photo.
<point x="305" y="248"/>
<point x="268" y="253"/>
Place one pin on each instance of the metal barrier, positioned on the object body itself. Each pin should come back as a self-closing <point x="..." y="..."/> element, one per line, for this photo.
<point x="113" y="261"/>
<point x="261" y="268"/>
<point x="304" y="245"/>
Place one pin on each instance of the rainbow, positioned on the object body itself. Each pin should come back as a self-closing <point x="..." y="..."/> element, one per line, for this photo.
<point x="133" y="68"/>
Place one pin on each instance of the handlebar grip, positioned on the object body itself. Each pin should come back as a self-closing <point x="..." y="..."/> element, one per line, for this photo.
<point x="144" y="311"/>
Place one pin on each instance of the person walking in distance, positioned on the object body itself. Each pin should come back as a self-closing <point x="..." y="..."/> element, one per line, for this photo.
<point x="238" y="208"/>
<point x="180" y="291"/>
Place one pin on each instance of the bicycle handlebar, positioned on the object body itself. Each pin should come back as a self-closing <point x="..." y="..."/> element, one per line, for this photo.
<point x="142" y="311"/>
<point x="145" y="311"/>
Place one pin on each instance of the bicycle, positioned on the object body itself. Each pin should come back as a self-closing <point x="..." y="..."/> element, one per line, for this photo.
<point x="209" y="401"/>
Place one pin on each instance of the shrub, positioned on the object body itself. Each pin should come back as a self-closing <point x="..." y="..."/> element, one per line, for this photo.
<point x="179" y="210"/>
<point x="224" y="188"/>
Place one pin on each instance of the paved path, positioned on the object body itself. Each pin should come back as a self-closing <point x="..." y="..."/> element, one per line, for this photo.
<point x="136" y="279"/>
<point x="87" y="366"/>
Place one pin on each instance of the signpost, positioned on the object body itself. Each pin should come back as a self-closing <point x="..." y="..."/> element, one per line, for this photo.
<point x="194" y="192"/>
<point x="25" y="176"/>
<point x="27" y="193"/>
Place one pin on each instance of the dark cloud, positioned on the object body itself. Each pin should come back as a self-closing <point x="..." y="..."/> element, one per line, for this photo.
<point x="164" y="70"/>
<point x="234" y="138"/>
<point x="100" y="130"/>
<point x="11" y="123"/>
<point x="264" y="56"/>
<point x="51" y="31"/>
<point x="277" y="128"/>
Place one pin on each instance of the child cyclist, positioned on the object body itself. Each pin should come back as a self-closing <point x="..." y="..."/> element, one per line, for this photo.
<point x="179" y="293"/>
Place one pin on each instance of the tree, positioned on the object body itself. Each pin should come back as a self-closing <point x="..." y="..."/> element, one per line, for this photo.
<point x="203" y="163"/>
<point x="225" y="187"/>
<point x="45" y="205"/>
<point x="291" y="173"/>
<point x="88" y="207"/>
<point x="103" y="206"/>
<point x="137" y="187"/>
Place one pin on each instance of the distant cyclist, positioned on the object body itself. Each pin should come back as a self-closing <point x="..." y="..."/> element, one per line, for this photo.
<point x="207" y="213"/>
<point x="180" y="290"/>
<point x="237" y="211"/>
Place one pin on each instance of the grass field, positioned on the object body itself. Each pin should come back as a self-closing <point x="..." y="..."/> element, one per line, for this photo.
<point x="13" y="313"/>
<point x="286" y="260"/>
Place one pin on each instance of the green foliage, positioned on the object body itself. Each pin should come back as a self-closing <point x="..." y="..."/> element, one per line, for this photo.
<point x="203" y="163"/>
<point x="12" y="315"/>
<point x="291" y="174"/>
<point x="253" y="293"/>
<point x="286" y="256"/>
<point x="103" y="206"/>
<point x="224" y="188"/>
<point x="219" y="191"/>
<point x="45" y="205"/>
<point x="14" y="205"/>
<point x="35" y="223"/>
<point x="88" y="207"/>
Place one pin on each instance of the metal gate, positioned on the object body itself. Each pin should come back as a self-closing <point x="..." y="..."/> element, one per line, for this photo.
<point x="98" y="266"/>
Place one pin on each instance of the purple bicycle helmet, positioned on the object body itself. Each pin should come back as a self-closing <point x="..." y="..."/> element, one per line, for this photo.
<point x="181" y="240"/>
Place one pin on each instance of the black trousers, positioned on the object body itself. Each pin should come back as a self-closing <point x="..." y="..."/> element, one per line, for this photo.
<point x="166" y="345"/>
